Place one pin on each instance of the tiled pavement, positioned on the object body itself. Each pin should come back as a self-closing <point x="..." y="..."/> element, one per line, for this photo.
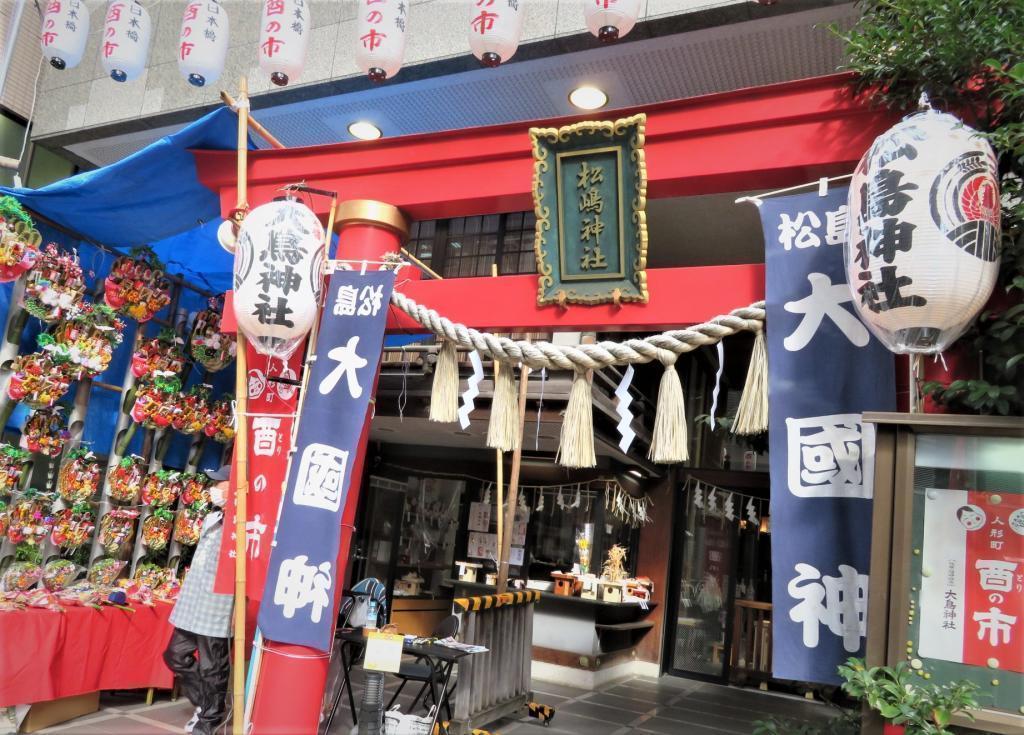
<point x="666" y="706"/>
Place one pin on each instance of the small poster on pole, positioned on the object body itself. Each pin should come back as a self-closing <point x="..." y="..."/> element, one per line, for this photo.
<point x="480" y="517"/>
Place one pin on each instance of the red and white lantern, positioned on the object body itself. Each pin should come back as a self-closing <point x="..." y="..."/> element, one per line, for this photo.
<point x="203" y="43"/>
<point x="65" y="32"/>
<point x="381" y="37"/>
<point x="610" y="20"/>
<point x="125" y="43"/>
<point x="285" y="27"/>
<point x="923" y="232"/>
<point x="278" y="275"/>
<point x="495" y="27"/>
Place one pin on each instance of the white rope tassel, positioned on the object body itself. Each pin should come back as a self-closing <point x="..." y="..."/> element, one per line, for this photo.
<point x="576" y="448"/>
<point x="503" y="427"/>
<point x="444" y="392"/>
<point x="669" y="439"/>
<point x="752" y="413"/>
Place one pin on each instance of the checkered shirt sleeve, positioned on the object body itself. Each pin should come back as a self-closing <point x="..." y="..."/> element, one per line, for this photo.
<point x="199" y="609"/>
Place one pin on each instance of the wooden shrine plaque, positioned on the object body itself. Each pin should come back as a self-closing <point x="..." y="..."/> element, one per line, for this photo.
<point x="590" y="196"/>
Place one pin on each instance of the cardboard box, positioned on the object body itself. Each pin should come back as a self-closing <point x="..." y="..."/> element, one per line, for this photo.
<point x="47" y="714"/>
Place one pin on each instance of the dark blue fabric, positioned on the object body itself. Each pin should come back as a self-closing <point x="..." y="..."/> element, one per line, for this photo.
<point x="824" y="370"/>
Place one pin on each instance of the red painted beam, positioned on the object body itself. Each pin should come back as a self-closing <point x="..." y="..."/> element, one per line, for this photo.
<point x="754" y="138"/>
<point x="679" y="297"/>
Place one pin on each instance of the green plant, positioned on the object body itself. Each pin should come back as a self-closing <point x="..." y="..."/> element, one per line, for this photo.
<point x="845" y="723"/>
<point x="894" y="692"/>
<point x="967" y="56"/>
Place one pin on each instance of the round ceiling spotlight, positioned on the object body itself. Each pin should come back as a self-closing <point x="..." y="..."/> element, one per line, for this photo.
<point x="588" y="97"/>
<point x="363" y="130"/>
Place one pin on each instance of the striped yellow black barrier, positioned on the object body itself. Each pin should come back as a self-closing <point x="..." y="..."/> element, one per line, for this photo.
<point x="543" y="712"/>
<point x="486" y="602"/>
<point x="441" y="728"/>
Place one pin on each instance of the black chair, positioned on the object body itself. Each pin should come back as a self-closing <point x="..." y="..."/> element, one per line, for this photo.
<point x="425" y="671"/>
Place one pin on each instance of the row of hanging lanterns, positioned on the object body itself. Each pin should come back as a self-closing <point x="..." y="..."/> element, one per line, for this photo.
<point x="495" y="29"/>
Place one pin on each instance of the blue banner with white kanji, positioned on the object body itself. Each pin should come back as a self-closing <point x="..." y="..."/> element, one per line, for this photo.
<point x="302" y="575"/>
<point x="824" y="370"/>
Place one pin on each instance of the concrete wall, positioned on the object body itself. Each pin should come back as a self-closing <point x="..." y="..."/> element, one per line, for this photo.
<point x="85" y="97"/>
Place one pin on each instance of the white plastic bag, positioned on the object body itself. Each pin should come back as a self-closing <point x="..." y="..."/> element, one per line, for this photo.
<point x="399" y="723"/>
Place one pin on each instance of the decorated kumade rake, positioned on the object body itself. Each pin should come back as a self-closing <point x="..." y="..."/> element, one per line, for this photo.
<point x="189" y="524"/>
<point x="156" y="529"/>
<point x="117" y="529"/>
<point x="5" y="518"/>
<point x="19" y="240"/>
<point x="54" y="286"/>
<point x="59" y="573"/>
<point x="12" y="466"/>
<point x="45" y="431"/>
<point x="221" y="426"/>
<point x="195" y="489"/>
<point x="29" y="520"/>
<point x="137" y="286"/>
<point x="85" y="339"/>
<point x="79" y="477"/>
<point x="210" y="347"/>
<point x="162" y="353"/>
<point x="125" y="480"/>
<point x="157" y="403"/>
<point x="193" y="410"/>
<point x="73" y="526"/>
<point x="37" y="380"/>
<point x="161" y="488"/>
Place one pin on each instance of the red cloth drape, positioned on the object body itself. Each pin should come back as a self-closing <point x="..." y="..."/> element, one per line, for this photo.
<point x="46" y="655"/>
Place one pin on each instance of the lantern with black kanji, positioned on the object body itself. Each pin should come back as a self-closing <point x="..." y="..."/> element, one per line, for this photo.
<point x="125" y="43"/>
<point x="278" y="265"/>
<point x="380" y="38"/>
<point x="64" y="33"/>
<point x="203" y="42"/>
<point x="495" y="27"/>
<point x="285" y="27"/>
<point x="610" y="20"/>
<point x="923" y="234"/>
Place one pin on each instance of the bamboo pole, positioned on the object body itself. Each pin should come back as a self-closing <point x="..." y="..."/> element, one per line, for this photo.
<point x="252" y="122"/>
<point x="238" y="725"/>
<point x="500" y="460"/>
<point x="505" y="550"/>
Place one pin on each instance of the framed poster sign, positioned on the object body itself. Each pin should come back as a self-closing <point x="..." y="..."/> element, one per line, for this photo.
<point x="590" y="196"/>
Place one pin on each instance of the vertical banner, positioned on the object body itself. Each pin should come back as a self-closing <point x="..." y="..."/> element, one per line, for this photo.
<point x="302" y="576"/>
<point x="824" y="370"/>
<point x="271" y="412"/>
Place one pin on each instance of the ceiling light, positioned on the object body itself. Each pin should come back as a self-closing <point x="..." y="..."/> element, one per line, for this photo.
<point x="588" y="97"/>
<point x="363" y="130"/>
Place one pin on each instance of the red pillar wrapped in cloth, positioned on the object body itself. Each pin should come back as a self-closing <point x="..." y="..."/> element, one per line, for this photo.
<point x="291" y="681"/>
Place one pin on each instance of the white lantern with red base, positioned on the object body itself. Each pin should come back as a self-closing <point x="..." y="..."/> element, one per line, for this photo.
<point x="923" y="234"/>
<point x="285" y="27"/>
<point x="278" y="275"/>
<point x="125" y="43"/>
<point x="381" y="37"/>
<point x="495" y="27"/>
<point x="65" y="32"/>
<point x="203" y="42"/>
<point x="610" y="20"/>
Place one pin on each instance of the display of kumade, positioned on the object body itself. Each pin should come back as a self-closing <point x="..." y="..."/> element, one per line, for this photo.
<point x="156" y="403"/>
<point x="221" y="424"/>
<point x="195" y="489"/>
<point x="73" y="526"/>
<point x="208" y="346"/>
<point x="45" y="431"/>
<point x="117" y="529"/>
<point x="38" y="380"/>
<point x="12" y="466"/>
<point x="54" y="285"/>
<point x="192" y="412"/>
<point x="156" y="529"/>
<point x="79" y="476"/>
<point x="29" y="519"/>
<point x="137" y="286"/>
<point x="19" y="240"/>
<point x="162" y="353"/>
<point x="125" y="480"/>
<point x="59" y="573"/>
<point x="161" y="488"/>
<point x="189" y="524"/>
<point x="85" y="339"/>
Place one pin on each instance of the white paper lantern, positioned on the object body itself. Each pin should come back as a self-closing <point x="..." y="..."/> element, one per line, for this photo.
<point x="278" y="265"/>
<point x="125" y="43"/>
<point x="65" y="32"/>
<point x="285" y="27"/>
<point x="610" y="20"/>
<point x="203" y="42"/>
<point x="495" y="27"/>
<point x="923" y="233"/>
<point x="380" y="44"/>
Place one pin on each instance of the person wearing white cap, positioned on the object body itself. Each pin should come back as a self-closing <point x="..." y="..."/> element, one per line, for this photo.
<point x="202" y="623"/>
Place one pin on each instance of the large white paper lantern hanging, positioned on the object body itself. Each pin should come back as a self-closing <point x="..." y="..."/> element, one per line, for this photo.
<point x="65" y="32"/>
<point x="495" y="27"/>
<point x="125" y="43"/>
<point x="278" y="265"/>
<point x="610" y="20"/>
<point x="285" y="27"/>
<point x="380" y="41"/>
<point x="923" y="233"/>
<point x="203" y="42"/>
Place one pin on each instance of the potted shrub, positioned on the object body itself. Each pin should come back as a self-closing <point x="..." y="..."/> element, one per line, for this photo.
<point x="906" y="705"/>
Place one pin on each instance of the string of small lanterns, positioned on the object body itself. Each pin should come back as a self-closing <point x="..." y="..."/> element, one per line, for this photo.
<point x="494" y="29"/>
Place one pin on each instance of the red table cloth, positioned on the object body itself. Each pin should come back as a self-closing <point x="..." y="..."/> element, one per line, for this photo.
<point x="46" y="655"/>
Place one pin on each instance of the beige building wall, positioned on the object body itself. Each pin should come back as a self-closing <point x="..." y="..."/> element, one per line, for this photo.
<point x="16" y="94"/>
